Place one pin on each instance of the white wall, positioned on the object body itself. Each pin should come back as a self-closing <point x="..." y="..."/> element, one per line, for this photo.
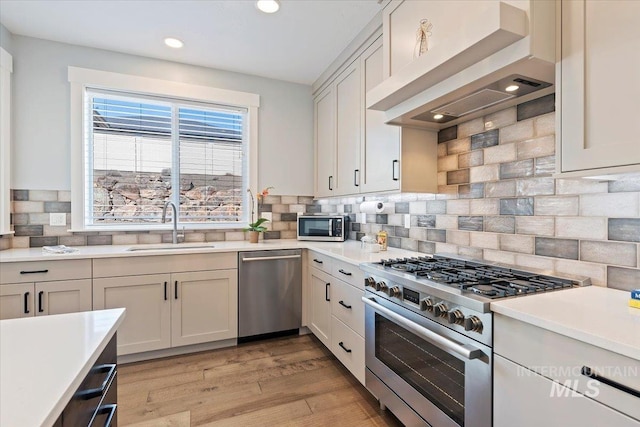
<point x="6" y="39"/>
<point x="41" y="145"/>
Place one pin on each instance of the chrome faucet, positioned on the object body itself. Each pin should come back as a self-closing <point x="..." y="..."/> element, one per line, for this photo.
<point x="175" y="219"/>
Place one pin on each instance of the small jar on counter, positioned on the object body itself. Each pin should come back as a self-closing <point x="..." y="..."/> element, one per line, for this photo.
<point x="382" y="240"/>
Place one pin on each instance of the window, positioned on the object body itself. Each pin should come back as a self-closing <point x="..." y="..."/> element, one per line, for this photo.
<point x="141" y="150"/>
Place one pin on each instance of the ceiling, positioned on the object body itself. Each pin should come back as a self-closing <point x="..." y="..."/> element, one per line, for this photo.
<point x="295" y="44"/>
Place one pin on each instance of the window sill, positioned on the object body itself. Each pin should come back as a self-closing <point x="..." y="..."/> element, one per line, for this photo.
<point x="6" y="234"/>
<point x="160" y="229"/>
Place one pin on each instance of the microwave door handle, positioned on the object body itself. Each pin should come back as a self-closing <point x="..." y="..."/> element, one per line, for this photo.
<point x="466" y="351"/>
<point x="330" y="228"/>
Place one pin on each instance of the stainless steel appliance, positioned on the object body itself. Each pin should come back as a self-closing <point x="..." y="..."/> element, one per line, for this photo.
<point x="428" y="334"/>
<point x="332" y="228"/>
<point x="269" y="292"/>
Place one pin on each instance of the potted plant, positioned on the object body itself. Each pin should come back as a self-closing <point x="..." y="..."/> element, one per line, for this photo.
<point x="255" y="227"/>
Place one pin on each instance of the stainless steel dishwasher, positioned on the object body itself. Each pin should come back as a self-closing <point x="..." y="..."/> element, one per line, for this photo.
<point x="269" y="293"/>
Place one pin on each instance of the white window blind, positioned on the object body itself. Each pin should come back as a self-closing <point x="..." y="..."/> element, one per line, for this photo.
<point x="144" y="151"/>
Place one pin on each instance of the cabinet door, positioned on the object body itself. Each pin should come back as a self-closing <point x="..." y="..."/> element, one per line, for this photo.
<point x="320" y="306"/>
<point x="147" y="323"/>
<point x="325" y="140"/>
<point x="348" y="128"/>
<point x="204" y="306"/>
<point x="380" y="150"/>
<point x="16" y="300"/>
<point x="599" y="77"/>
<point x="69" y="296"/>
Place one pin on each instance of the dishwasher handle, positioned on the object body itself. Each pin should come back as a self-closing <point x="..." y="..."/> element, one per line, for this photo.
<point x="270" y="258"/>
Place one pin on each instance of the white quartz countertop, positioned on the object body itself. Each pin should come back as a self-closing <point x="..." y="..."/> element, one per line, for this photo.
<point x="595" y="315"/>
<point x="43" y="361"/>
<point x="349" y="251"/>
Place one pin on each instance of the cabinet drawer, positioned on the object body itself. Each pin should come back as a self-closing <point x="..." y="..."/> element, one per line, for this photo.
<point x="113" y="267"/>
<point x="348" y="347"/>
<point x="347" y="305"/>
<point x="43" y="271"/>
<point x="350" y="273"/>
<point x="562" y="358"/>
<point x="320" y="261"/>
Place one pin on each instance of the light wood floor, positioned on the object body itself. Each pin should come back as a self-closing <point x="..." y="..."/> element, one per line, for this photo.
<point x="293" y="381"/>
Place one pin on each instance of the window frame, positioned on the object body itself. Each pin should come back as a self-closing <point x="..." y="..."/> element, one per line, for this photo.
<point x="81" y="79"/>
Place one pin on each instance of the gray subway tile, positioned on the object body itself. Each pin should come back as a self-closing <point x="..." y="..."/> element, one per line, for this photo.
<point x="402" y="207"/>
<point x="409" y="244"/>
<point x="460" y="176"/>
<point x="28" y="230"/>
<point x="470" y="223"/>
<point x="485" y="139"/>
<point x="624" y="185"/>
<point x="519" y="169"/>
<point x="38" y="242"/>
<point x="355" y="226"/>
<point x="500" y="189"/>
<point x="394" y="242"/>
<point x="471" y="191"/>
<point x="348" y="208"/>
<point x="435" y="235"/>
<point x="609" y="253"/>
<point x="516" y="206"/>
<point x="423" y="221"/>
<point x="426" y="247"/>
<point x="535" y="186"/>
<point x="265" y="207"/>
<point x="536" y="107"/>
<point x="19" y="219"/>
<point x="624" y="279"/>
<point x="624" y="229"/>
<point x="382" y="219"/>
<point x="447" y="134"/>
<point x="73" y="240"/>
<point x="313" y="208"/>
<point x="289" y="216"/>
<point x="545" y="166"/>
<point x="400" y="231"/>
<point x="20" y="195"/>
<point x="470" y="159"/>
<point x="500" y="224"/>
<point x="436" y="207"/>
<point x="557" y="248"/>
<point x="100" y="240"/>
<point x="57" y="207"/>
<point x="271" y="235"/>
<point x="305" y="200"/>
<point x="360" y="236"/>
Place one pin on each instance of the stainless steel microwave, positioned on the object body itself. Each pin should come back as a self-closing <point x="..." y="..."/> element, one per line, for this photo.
<point x="330" y="228"/>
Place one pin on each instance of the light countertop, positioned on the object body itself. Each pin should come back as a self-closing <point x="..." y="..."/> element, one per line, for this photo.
<point x="43" y="361"/>
<point x="595" y="315"/>
<point x="349" y="251"/>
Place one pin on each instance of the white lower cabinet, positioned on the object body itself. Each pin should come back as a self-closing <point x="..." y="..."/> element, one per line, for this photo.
<point x="525" y="399"/>
<point x="44" y="298"/>
<point x="320" y="305"/>
<point x="348" y="347"/>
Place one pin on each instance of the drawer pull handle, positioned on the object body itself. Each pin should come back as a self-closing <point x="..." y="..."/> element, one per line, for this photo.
<point x="34" y="271"/>
<point x="165" y="291"/>
<point x="587" y="371"/>
<point x="40" y="309"/>
<point x="111" y="409"/>
<point x="341" y="344"/>
<point x="26" y="302"/>
<point x="344" y="305"/>
<point x="326" y="292"/>
<point x="394" y="168"/>
<point x="91" y="393"/>
<point x="346" y="273"/>
<point x="175" y="289"/>
<point x="318" y="261"/>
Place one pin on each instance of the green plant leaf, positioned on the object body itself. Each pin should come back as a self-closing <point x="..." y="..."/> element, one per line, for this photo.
<point x="259" y="222"/>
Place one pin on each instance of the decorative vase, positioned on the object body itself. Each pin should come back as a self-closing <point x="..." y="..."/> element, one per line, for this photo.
<point x="253" y="236"/>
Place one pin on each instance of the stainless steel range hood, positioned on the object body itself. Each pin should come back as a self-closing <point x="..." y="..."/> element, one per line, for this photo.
<point x="467" y="84"/>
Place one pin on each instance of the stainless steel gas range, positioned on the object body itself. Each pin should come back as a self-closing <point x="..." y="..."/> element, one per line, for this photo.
<point x="428" y="334"/>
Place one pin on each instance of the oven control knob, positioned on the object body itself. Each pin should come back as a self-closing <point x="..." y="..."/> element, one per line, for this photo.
<point x="381" y="286"/>
<point x="426" y="304"/>
<point x="472" y="323"/>
<point x="393" y="291"/>
<point x="370" y="282"/>
<point x="440" y="310"/>
<point x="456" y="317"/>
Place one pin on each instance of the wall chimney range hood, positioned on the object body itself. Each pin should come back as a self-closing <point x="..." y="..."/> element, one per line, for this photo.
<point x="511" y="60"/>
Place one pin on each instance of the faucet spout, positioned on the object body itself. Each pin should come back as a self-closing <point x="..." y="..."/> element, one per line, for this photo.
<point x="175" y="219"/>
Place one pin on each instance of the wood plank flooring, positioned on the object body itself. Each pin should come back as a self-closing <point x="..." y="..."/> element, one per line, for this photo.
<point x="292" y="381"/>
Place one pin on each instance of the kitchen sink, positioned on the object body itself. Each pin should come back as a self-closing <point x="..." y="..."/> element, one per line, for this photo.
<point x="170" y="247"/>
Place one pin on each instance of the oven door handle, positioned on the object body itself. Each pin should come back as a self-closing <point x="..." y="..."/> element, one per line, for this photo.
<point x="466" y="351"/>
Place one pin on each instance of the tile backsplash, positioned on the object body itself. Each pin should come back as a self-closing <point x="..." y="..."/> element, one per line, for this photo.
<point x="497" y="200"/>
<point x="32" y="209"/>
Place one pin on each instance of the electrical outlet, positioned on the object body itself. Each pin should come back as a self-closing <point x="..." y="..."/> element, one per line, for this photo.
<point x="407" y="221"/>
<point x="58" y="219"/>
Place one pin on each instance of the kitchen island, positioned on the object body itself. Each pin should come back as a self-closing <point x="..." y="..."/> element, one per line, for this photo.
<point x="43" y="361"/>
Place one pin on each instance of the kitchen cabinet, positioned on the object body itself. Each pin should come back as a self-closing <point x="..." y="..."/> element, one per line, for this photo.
<point x="193" y="300"/>
<point x="336" y="310"/>
<point x="598" y="67"/>
<point x="528" y="377"/>
<point x="30" y="289"/>
<point x="348" y="114"/>
<point x="324" y="138"/>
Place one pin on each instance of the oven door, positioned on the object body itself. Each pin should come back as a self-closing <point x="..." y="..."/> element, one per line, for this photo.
<point x="439" y="373"/>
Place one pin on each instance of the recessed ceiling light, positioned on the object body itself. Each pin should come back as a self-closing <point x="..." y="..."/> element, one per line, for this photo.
<point x="268" y="6"/>
<point x="512" y="88"/>
<point x="438" y="116"/>
<point x="174" y="43"/>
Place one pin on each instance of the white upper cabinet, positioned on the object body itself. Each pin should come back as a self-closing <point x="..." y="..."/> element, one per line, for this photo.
<point x="598" y="72"/>
<point x="348" y="124"/>
<point x="325" y="141"/>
